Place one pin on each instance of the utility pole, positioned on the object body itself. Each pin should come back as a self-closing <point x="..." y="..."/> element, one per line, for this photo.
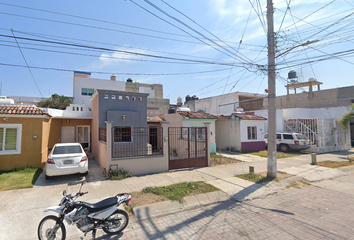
<point x="272" y="150"/>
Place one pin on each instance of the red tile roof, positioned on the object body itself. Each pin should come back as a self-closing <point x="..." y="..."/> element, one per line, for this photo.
<point x="197" y="115"/>
<point x="22" y="110"/>
<point x="155" y="119"/>
<point x="248" y="117"/>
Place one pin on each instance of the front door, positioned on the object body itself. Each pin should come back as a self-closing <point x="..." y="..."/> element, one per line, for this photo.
<point x="68" y="134"/>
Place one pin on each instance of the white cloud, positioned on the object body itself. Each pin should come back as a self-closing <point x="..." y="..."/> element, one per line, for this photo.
<point x="120" y="56"/>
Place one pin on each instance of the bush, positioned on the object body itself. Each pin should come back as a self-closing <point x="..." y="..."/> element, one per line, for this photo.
<point x="118" y="175"/>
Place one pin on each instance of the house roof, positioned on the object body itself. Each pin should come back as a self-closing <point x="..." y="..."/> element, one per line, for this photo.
<point x="155" y="119"/>
<point x="22" y="110"/>
<point x="197" y="115"/>
<point x="248" y="117"/>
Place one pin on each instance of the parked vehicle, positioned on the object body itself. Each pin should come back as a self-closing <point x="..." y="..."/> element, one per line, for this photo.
<point x="65" y="159"/>
<point x="87" y="217"/>
<point x="290" y="141"/>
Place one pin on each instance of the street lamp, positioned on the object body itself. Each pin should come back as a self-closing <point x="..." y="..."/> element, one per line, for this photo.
<point x="301" y="45"/>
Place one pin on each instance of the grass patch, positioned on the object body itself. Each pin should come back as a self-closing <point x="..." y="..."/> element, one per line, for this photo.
<point x="333" y="164"/>
<point x="256" y="178"/>
<point x="264" y="153"/>
<point x="19" y="178"/>
<point x="262" y="177"/>
<point x="176" y="192"/>
<point x="217" y="159"/>
<point x="118" y="175"/>
<point x="298" y="184"/>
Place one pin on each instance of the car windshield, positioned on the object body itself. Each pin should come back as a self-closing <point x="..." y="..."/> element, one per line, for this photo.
<point x="301" y="137"/>
<point x="67" y="149"/>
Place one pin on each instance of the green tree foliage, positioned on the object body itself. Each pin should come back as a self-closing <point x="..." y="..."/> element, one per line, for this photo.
<point x="56" y="101"/>
<point x="344" y="122"/>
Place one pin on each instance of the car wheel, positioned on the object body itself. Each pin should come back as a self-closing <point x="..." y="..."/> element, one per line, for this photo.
<point x="284" y="148"/>
<point x="84" y="174"/>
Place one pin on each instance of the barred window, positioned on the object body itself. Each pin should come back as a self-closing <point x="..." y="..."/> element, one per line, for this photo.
<point x="122" y="134"/>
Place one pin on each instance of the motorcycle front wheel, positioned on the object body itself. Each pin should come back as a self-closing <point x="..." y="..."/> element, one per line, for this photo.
<point x="51" y="228"/>
<point x="116" y="223"/>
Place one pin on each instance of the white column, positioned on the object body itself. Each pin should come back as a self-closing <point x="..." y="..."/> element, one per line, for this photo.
<point x="109" y="143"/>
<point x="207" y="125"/>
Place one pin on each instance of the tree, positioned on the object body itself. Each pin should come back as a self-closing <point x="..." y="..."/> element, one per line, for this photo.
<point x="347" y="117"/>
<point x="56" y="101"/>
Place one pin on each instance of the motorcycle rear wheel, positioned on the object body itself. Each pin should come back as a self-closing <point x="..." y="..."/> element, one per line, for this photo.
<point x="118" y="222"/>
<point x="47" y="225"/>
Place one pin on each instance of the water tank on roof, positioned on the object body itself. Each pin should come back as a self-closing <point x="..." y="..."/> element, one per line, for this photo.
<point x="194" y="97"/>
<point x="129" y="80"/>
<point x="113" y="77"/>
<point x="312" y="80"/>
<point x="188" y="98"/>
<point x="183" y="109"/>
<point x="171" y="110"/>
<point x="6" y="101"/>
<point x="179" y="101"/>
<point x="292" y="74"/>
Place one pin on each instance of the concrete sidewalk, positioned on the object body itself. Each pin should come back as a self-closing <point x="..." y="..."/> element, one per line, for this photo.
<point x="18" y="206"/>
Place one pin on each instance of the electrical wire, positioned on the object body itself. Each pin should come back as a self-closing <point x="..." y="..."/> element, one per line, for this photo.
<point x="127" y="52"/>
<point x="29" y="69"/>
<point x="123" y="73"/>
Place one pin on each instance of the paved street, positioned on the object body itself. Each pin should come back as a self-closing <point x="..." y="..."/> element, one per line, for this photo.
<point x="323" y="210"/>
<point x="308" y="213"/>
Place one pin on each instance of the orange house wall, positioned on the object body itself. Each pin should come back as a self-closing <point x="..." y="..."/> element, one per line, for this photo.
<point x="32" y="151"/>
<point x="56" y="127"/>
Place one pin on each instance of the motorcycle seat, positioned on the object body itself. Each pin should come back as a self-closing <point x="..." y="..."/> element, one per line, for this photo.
<point x="108" y="202"/>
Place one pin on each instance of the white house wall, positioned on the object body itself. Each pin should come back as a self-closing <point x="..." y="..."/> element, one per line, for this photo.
<point x="223" y="134"/>
<point x="211" y="105"/>
<point x="279" y="119"/>
<point x="252" y="123"/>
<point x="93" y="83"/>
<point x="303" y="113"/>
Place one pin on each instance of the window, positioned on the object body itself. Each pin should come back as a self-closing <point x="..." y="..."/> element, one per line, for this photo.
<point x="122" y="134"/>
<point x="126" y="97"/>
<point x="83" y="136"/>
<point x="113" y="96"/>
<point x="140" y="99"/>
<point x="106" y="96"/>
<point x="87" y="91"/>
<point x="288" y="136"/>
<point x="10" y="139"/>
<point x="251" y="133"/>
<point x="133" y="98"/>
<point x="66" y="150"/>
<point x="120" y="97"/>
<point x="197" y="130"/>
<point x="200" y="133"/>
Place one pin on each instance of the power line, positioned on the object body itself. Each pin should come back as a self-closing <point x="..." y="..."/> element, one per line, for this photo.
<point x="179" y="28"/>
<point x="122" y="73"/>
<point x="203" y="28"/>
<point x="29" y="69"/>
<point x="129" y="52"/>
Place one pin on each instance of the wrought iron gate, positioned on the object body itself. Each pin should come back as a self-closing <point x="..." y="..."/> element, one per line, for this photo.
<point x="187" y="147"/>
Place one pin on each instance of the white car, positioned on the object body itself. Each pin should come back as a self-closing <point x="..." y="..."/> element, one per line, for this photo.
<point x="65" y="159"/>
<point x="290" y="141"/>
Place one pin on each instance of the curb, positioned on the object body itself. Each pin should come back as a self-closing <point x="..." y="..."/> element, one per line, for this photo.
<point x="161" y="209"/>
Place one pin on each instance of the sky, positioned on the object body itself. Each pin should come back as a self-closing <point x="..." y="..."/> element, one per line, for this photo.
<point x="200" y="47"/>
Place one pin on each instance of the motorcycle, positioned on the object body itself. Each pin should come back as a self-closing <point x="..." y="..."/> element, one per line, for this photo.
<point x="87" y="217"/>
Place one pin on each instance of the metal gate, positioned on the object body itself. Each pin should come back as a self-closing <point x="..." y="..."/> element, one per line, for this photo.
<point x="187" y="147"/>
